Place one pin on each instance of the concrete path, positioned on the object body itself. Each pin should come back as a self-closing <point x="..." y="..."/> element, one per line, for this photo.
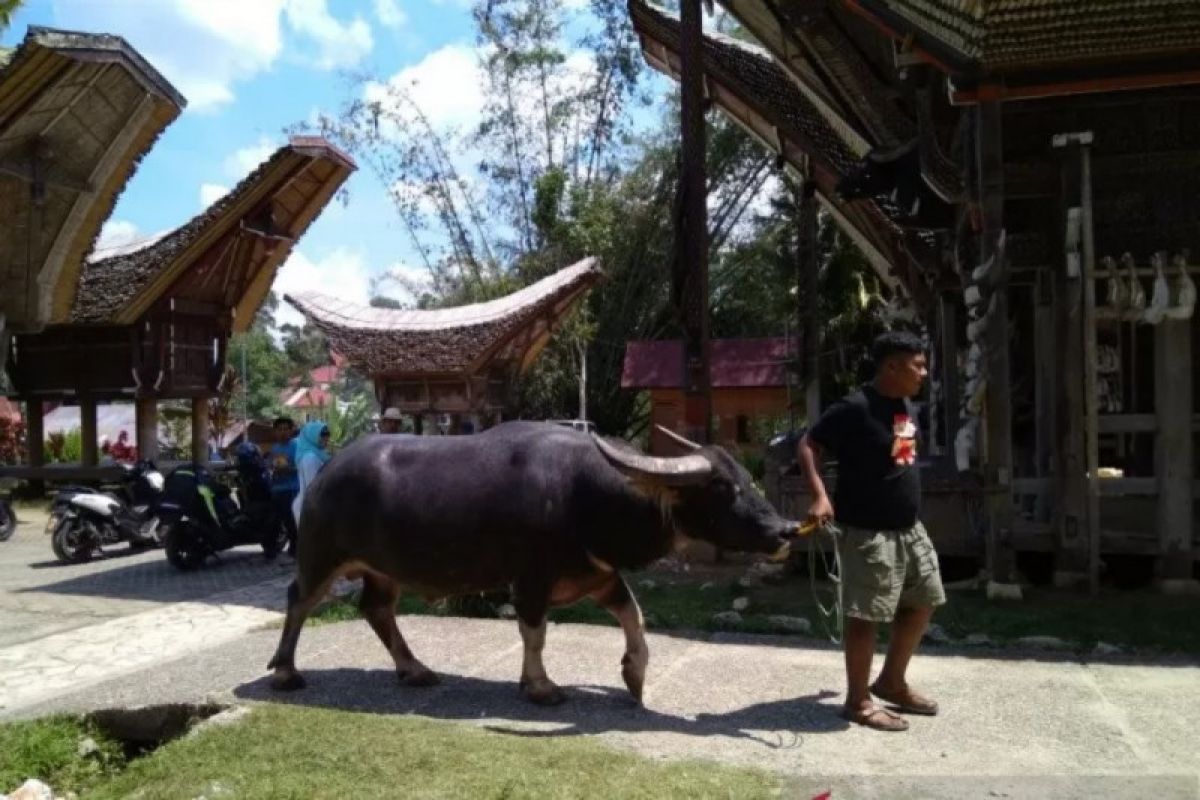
<point x="40" y="596"/>
<point x="1019" y="726"/>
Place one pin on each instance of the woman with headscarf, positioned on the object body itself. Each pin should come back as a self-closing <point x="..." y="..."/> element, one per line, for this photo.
<point x="312" y="451"/>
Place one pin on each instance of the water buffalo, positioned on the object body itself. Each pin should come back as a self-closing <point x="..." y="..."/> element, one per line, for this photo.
<point x="553" y="513"/>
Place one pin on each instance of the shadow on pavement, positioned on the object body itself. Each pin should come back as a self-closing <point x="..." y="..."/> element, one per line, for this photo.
<point x="588" y="710"/>
<point x="158" y="581"/>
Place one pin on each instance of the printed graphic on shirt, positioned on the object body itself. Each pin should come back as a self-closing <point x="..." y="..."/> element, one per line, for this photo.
<point x="904" y="445"/>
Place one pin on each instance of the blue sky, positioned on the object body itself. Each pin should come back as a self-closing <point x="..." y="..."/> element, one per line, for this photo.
<point x="249" y="68"/>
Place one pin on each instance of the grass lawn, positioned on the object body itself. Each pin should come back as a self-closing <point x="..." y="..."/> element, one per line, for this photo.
<point x="293" y="752"/>
<point x="1135" y="620"/>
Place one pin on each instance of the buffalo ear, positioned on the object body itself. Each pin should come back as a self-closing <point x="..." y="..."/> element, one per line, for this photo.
<point x="691" y="470"/>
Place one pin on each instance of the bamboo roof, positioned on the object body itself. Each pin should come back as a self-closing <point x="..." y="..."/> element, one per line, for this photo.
<point x="227" y="255"/>
<point x="77" y="113"/>
<point x="508" y="331"/>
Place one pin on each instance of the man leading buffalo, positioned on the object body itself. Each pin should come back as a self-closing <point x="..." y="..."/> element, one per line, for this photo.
<point x="889" y="568"/>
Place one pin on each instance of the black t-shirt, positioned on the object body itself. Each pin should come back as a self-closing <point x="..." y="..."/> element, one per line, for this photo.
<point x="874" y="439"/>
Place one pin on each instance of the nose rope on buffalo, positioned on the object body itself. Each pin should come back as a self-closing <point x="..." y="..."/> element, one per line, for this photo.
<point x="831" y="617"/>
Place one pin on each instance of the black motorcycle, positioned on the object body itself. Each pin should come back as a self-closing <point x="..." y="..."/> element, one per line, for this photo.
<point x="202" y="516"/>
<point x="84" y="520"/>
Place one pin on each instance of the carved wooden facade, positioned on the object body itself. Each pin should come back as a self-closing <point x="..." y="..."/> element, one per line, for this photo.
<point x="941" y="137"/>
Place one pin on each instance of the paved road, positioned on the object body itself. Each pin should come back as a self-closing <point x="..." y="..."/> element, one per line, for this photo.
<point x="40" y="596"/>
<point x="1021" y="726"/>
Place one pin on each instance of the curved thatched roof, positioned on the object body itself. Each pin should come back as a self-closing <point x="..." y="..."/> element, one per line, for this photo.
<point x="226" y="256"/>
<point x="509" y="330"/>
<point x="1003" y="36"/>
<point x="77" y="113"/>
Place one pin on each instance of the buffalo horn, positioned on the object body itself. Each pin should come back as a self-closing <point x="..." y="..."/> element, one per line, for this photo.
<point x="680" y="471"/>
<point x="687" y="444"/>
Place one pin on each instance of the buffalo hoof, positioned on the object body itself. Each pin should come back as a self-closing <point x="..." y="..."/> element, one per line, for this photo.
<point x="634" y="675"/>
<point x="543" y="693"/>
<point x="287" y="681"/>
<point x="419" y="677"/>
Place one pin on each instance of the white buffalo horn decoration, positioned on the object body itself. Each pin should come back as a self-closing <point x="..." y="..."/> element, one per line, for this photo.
<point x="1161" y="299"/>
<point x="1185" y="297"/>
<point x="1137" y="295"/>
<point x="686" y="470"/>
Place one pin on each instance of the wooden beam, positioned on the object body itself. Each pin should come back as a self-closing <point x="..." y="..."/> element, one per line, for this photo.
<point x="1046" y="364"/>
<point x="87" y="431"/>
<point x="1001" y="562"/>
<point x="810" y="318"/>
<point x="35" y="432"/>
<point x="1173" y="447"/>
<point x="200" y="429"/>
<point x="948" y="361"/>
<point x="146" y="410"/>
<point x="691" y="233"/>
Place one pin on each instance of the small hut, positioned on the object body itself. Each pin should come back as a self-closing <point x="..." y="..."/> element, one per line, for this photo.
<point x="749" y="387"/>
<point x="449" y="362"/>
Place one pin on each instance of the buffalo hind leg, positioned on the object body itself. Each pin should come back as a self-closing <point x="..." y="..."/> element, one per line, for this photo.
<point x="378" y="606"/>
<point x="286" y="678"/>
<point x="531" y="603"/>
<point x="620" y="602"/>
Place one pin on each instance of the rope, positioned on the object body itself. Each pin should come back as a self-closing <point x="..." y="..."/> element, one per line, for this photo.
<point x="833" y="569"/>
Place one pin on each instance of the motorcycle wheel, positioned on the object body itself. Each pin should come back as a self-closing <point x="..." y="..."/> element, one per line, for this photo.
<point x="71" y="543"/>
<point x="8" y="521"/>
<point x="184" y="549"/>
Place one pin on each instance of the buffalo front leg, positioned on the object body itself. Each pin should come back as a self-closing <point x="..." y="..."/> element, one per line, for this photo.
<point x="620" y="602"/>
<point x="300" y="605"/>
<point x="531" y="603"/>
<point x="378" y="606"/>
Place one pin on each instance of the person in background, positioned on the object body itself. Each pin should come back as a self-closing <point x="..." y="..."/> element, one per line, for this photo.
<point x="122" y="451"/>
<point x="285" y="483"/>
<point x="890" y="570"/>
<point x="312" y="452"/>
<point x="390" y="421"/>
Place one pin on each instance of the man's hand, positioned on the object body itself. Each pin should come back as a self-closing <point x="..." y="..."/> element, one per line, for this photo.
<point x="821" y="510"/>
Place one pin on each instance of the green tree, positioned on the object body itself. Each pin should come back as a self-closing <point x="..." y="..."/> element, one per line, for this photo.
<point x="8" y="9"/>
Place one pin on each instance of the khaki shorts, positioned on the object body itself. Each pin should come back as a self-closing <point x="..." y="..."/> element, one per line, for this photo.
<point x="886" y="570"/>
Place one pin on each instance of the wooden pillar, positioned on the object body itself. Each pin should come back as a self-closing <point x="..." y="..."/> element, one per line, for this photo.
<point x="1070" y="478"/>
<point x="810" y="317"/>
<point x="87" y="431"/>
<point x="1001" y="563"/>
<point x="948" y="361"/>
<point x="691" y="232"/>
<point x="200" y="430"/>
<point x="1081" y="270"/>
<point x="1173" y="451"/>
<point x="1046" y="362"/>
<point x="146" y="409"/>
<point x="35" y="433"/>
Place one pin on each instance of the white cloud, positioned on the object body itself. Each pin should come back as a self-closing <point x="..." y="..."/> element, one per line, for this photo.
<point x="118" y="237"/>
<point x="244" y="161"/>
<point x="206" y="47"/>
<point x="341" y="273"/>
<point x="211" y="193"/>
<point x="338" y="44"/>
<point x="390" y="14"/>
<point x="447" y="85"/>
<point x="116" y="233"/>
